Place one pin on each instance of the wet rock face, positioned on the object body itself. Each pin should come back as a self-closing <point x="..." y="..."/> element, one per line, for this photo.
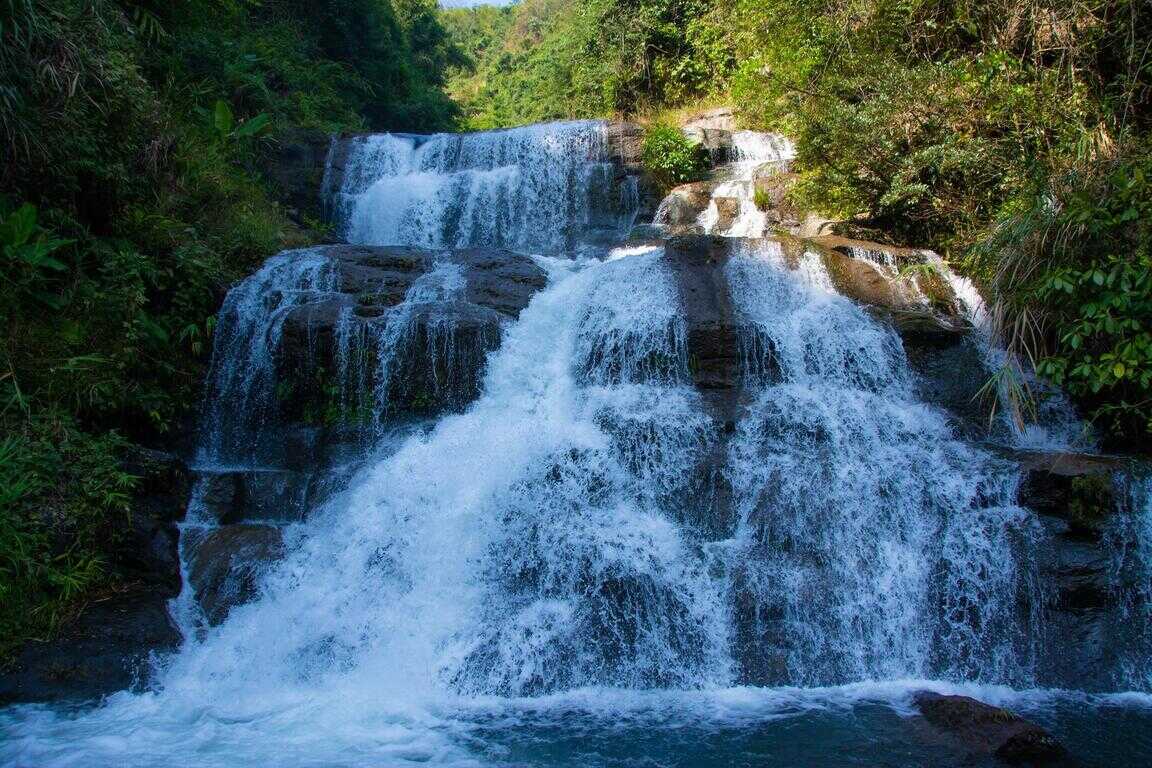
<point x="226" y="563"/>
<point x="276" y="495"/>
<point x="436" y="359"/>
<point x="716" y="141"/>
<point x="626" y="145"/>
<point x="626" y="152"/>
<point x="982" y="729"/>
<point x="679" y="211"/>
<point x="1074" y="487"/>
<point x="146" y="552"/>
<point x="1087" y="626"/>
<point x="295" y="168"/>
<point x="104" y="650"/>
<point x="697" y="264"/>
<point x="921" y="306"/>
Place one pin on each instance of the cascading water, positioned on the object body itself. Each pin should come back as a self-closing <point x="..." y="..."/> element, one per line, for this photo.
<point x="241" y="402"/>
<point x="532" y="581"/>
<point x="1129" y="538"/>
<point x="752" y="153"/>
<point x="872" y="544"/>
<point x="542" y="188"/>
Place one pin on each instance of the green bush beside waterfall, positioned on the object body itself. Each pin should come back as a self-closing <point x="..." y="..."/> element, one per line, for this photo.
<point x="133" y="138"/>
<point x="1011" y="135"/>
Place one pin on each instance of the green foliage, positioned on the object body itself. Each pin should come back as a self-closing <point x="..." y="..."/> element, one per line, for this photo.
<point x="762" y="199"/>
<point x="671" y="157"/>
<point x="1089" y="287"/>
<point x="134" y="136"/>
<point x="63" y="497"/>
<point x="548" y="59"/>
<point x="29" y="266"/>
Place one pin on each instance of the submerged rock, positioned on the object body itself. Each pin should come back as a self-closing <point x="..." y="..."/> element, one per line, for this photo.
<point x="984" y="729"/>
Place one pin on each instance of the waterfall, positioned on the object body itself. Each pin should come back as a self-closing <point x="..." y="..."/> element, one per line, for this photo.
<point x="587" y="535"/>
<point x="543" y="188"/>
<point x="752" y="153"/>
<point x="241" y="401"/>
<point x="872" y="543"/>
<point x="1129" y="539"/>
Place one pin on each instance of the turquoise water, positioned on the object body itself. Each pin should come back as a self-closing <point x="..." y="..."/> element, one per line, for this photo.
<point x="858" y="725"/>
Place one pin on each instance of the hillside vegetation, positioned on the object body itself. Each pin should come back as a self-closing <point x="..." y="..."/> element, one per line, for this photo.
<point x="133" y="136"/>
<point x="1011" y="135"/>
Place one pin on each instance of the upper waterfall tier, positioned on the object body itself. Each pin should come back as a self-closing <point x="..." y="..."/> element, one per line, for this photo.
<point x="542" y="188"/>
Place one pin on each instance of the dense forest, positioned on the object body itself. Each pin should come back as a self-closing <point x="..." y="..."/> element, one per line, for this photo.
<point x="1011" y="135"/>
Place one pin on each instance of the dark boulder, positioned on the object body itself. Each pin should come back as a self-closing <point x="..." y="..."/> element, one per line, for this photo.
<point x="772" y="185"/>
<point x="717" y="142"/>
<point x="1074" y="487"/>
<point x="383" y="273"/>
<point x="680" y="208"/>
<point x="440" y="367"/>
<point x="1089" y="595"/>
<point x="500" y="280"/>
<point x="713" y="332"/>
<point x="104" y="650"/>
<point x="225" y="565"/>
<point x="146" y="552"/>
<point x="983" y="729"/>
<point x="626" y="145"/>
<point x="952" y="376"/>
<point x="715" y="341"/>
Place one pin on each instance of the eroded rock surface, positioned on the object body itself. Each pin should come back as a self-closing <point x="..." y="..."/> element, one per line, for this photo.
<point x="436" y="346"/>
<point x="225" y="565"/>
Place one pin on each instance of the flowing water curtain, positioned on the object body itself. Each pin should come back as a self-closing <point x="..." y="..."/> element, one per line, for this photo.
<point x="594" y="581"/>
<point x="874" y="545"/>
<point x="1129" y="538"/>
<point x="543" y="187"/>
<point x="242" y="401"/>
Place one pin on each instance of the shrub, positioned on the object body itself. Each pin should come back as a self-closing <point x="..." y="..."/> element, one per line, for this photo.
<point x="1072" y="274"/>
<point x="671" y="157"/>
